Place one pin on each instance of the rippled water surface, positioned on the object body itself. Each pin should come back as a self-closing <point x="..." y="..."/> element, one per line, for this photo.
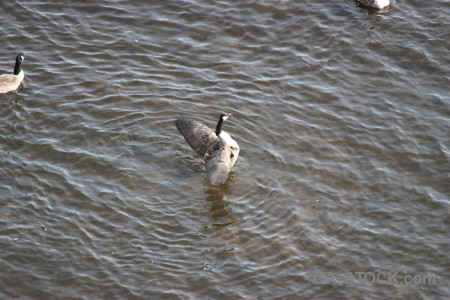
<point x="342" y="115"/>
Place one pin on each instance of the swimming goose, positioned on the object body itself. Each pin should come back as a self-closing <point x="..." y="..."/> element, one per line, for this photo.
<point x="12" y="82"/>
<point x="218" y="148"/>
<point x="379" y="4"/>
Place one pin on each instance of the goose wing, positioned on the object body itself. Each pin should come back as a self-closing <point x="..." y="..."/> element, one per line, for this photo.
<point x="9" y="82"/>
<point x="219" y="164"/>
<point x="197" y="135"/>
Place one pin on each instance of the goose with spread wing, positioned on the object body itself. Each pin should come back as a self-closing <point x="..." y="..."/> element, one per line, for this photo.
<point x="12" y="82"/>
<point x="218" y="148"/>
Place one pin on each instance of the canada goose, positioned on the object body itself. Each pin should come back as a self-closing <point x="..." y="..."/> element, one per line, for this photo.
<point x="12" y="82"/>
<point x="378" y="4"/>
<point x="218" y="148"/>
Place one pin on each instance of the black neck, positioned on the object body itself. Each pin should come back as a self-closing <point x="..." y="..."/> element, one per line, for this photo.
<point x="17" y="67"/>
<point x="219" y="126"/>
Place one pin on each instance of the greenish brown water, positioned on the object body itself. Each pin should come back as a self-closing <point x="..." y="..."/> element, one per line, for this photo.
<point x="342" y="116"/>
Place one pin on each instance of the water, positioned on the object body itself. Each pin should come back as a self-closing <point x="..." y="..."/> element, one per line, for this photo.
<point x="342" y="116"/>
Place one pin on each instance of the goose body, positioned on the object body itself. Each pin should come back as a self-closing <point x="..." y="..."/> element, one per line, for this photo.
<point x="378" y="4"/>
<point x="12" y="82"/>
<point x="219" y="150"/>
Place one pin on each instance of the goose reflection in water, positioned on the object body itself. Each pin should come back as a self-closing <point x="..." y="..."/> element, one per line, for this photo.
<point x="218" y="196"/>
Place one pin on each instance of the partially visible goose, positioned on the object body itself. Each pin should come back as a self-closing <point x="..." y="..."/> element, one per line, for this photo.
<point x="378" y="4"/>
<point x="12" y="82"/>
<point x="218" y="148"/>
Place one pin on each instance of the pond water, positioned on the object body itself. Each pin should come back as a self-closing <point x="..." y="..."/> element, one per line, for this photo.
<point x="341" y="190"/>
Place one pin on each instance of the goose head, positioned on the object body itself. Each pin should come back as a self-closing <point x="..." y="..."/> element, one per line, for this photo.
<point x="223" y="117"/>
<point x="19" y="58"/>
